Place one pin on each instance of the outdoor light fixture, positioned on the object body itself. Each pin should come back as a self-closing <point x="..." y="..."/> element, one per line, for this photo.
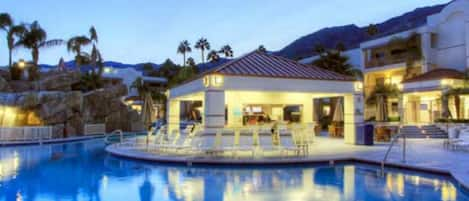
<point x="213" y="81"/>
<point x="358" y="86"/>
<point x="21" y="64"/>
<point x="447" y="82"/>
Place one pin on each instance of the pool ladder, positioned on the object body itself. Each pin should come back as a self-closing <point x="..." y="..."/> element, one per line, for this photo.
<point x="393" y="141"/>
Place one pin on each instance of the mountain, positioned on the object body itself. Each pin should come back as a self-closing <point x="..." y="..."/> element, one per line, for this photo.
<point x="352" y="35"/>
<point x="114" y="64"/>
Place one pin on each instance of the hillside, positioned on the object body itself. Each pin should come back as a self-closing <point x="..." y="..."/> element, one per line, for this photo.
<point x="352" y="35"/>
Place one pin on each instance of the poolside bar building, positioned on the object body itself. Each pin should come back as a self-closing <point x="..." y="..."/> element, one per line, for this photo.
<point x="271" y="87"/>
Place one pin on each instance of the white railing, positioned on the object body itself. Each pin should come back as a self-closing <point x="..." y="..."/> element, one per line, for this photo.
<point x="93" y="129"/>
<point x="34" y="133"/>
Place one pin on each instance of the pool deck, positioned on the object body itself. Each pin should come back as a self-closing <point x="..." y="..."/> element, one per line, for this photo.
<point x="50" y="141"/>
<point x="422" y="154"/>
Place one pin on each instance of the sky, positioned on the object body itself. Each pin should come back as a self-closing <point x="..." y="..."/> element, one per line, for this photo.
<point x="137" y="31"/>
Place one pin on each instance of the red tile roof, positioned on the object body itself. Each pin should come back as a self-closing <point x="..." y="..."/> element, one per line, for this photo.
<point x="437" y="74"/>
<point x="265" y="65"/>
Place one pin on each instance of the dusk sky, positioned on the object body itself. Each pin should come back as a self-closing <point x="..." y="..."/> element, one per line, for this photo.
<point x="135" y="31"/>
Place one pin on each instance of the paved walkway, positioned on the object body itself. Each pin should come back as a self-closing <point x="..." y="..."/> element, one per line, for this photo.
<point x="423" y="154"/>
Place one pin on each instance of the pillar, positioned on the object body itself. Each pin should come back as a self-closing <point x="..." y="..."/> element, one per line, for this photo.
<point x="214" y="105"/>
<point x="308" y="105"/>
<point x="353" y="118"/>
<point x="173" y="114"/>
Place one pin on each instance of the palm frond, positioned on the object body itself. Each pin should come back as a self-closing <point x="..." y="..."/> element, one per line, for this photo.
<point x="5" y="21"/>
<point x="93" y="34"/>
<point x="51" y="43"/>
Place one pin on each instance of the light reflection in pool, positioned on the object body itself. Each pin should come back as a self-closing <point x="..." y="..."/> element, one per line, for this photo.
<point x="83" y="171"/>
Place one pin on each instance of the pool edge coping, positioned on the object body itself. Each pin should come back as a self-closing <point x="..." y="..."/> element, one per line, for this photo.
<point x="111" y="149"/>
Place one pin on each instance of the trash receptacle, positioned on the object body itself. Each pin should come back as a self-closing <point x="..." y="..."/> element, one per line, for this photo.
<point x="369" y="134"/>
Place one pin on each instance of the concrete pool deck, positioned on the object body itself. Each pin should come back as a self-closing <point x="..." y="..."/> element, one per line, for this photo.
<point x="422" y="154"/>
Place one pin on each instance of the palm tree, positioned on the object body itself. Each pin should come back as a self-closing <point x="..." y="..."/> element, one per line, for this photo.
<point x="227" y="51"/>
<point x="203" y="45"/>
<point x="12" y="32"/>
<point x="319" y="48"/>
<point x="35" y="38"/>
<point x="184" y="48"/>
<point x="372" y="30"/>
<point x="75" y="45"/>
<point x="340" y="47"/>
<point x="213" y="56"/>
<point x="385" y="90"/>
<point x="262" y="49"/>
<point x="140" y="86"/>
<point x="190" y="62"/>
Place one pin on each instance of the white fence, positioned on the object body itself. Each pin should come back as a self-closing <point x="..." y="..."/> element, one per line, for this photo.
<point x="93" y="129"/>
<point x="26" y="133"/>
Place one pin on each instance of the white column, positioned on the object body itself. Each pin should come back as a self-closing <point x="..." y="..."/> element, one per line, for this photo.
<point x="307" y="116"/>
<point x="426" y="45"/>
<point x="173" y="114"/>
<point x="214" y="105"/>
<point x="353" y="117"/>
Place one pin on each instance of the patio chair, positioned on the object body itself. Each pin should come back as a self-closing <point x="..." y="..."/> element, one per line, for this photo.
<point x="209" y="143"/>
<point x="266" y="143"/>
<point x="287" y="143"/>
<point x="246" y="141"/>
<point x="228" y="140"/>
<point x="463" y="141"/>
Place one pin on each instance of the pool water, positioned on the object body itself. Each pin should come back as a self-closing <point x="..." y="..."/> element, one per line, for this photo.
<point x="84" y="171"/>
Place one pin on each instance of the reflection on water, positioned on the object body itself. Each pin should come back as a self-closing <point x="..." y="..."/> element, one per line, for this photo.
<point x="83" y="171"/>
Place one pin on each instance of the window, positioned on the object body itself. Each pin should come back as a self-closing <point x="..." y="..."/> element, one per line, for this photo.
<point x="433" y="41"/>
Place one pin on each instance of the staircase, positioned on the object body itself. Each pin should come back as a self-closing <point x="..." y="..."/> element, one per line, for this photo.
<point x="424" y="131"/>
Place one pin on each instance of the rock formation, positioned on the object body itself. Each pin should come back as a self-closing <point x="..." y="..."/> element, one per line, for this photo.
<point x="52" y="101"/>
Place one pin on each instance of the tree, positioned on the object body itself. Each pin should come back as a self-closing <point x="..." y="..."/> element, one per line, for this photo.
<point x="190" y="62"/>
<point x="75" y="45"/>
<point x="35" y="38"/>
<point x="227" y="51"/>
<point x="12" y="32"/>
<point x="319" y="48"/>
<point x="184" y="48"/>
<point x="203" y="45"/>
<point x="213" y="56"/>
<point x="262" y="49"/>
<point x="372" y="30"/>
<point x="386" y="91"/>
<point x="340" y="47"/>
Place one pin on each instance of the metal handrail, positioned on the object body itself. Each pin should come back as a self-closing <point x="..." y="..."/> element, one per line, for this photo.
<point x="393" y="141"/>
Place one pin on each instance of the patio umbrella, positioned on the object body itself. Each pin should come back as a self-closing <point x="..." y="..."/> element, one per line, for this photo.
<point x="147" y="111"/>
<point x="339" y="112"/>
<point x="381" y="110"/>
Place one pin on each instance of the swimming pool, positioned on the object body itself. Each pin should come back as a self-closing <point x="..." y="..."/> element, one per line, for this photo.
<point x="84" y="171"/>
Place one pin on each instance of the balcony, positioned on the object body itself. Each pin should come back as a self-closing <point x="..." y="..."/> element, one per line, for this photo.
<point x="380" y="62"/>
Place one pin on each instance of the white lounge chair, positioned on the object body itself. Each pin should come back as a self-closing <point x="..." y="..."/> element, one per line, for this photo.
<point x="245" y="141"/>
<point x="228" y="140"/>
<point x="287" y="143"/>
<point x="463" y="141"/>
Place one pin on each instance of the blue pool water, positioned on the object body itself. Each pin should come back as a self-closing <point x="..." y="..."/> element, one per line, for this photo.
<point x="83" y="171"/>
